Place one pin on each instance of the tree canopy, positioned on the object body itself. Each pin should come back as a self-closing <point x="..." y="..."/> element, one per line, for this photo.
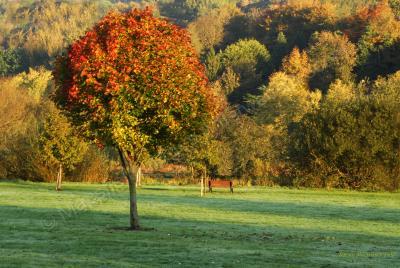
<point x="135" y="82"/>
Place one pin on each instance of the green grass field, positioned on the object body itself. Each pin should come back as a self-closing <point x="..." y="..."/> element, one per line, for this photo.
<point x="262" y="227"/>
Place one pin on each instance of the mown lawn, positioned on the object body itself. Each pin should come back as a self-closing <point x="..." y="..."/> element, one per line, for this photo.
<point x="262" y="227"/>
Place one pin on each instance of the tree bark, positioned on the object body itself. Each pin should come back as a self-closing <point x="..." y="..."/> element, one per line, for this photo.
<point x="203" y="182"/>
<point x="130" y="169"/>
<point x="202" y="186"/>
<point x="205" y="179"/>
<point x="59" y="178"/>
<point x="139" y="177"/>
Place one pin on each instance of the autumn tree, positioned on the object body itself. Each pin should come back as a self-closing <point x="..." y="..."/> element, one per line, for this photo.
<point x="332" y="56"/>
<point x="195" y="153"/>
<point x="246" y="141"/>
<point x="285" y="100"/>
<point x="246" y="62"/>
<point x="279" y="49"/>
<point x="247" y="58"/>
<point x="229" y="81"/>
<point x="10" y="61"/>
<point x="379" y="46"/>
<point x="213" y="65"/>
<point x="209" y="28"/>
<point x="297" y="64"/>
<point x="14" y="108"/>
<point x="60" y="145"/>
<point x="395" y="5"/>
<point x="134" y="82"/>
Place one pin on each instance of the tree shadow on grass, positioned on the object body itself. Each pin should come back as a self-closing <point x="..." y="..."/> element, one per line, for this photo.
<point x="304" y="210"/>
<point x="228" y="202"/>
<point x="189" y="197"/>
<point x="93" y="236"/>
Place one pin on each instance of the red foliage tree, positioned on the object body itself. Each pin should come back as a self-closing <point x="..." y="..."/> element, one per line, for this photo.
<point x="134" y="82"/>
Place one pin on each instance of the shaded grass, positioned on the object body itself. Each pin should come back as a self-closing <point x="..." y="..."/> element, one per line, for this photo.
<point x="83" y="226"/>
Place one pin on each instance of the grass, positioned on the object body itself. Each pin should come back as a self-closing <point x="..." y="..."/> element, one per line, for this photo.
<point x="260" y="227"/>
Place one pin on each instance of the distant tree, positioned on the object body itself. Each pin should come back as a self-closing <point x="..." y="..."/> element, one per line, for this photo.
<point x="10" y="61"/>
<point x="213" y="65"/>
<point x="59" y="143"/>
<point x="209" y="29"/>
<point x="249" y="60"/>
<point x="297" y="64"/>
<point x="379" y="45"/>
<point x="395" y="5"/>
<point x="229" y="81"/>
<point x="246" y="57"/>
<point x="332" y="56"/>
<point x="195" y="152"/>
<point x="134" y="82"/>
<point x="15" y="106"/>
<point x="281" y="39"/>
<point x="246" y="142"/>
<point x="279" y="49"/>
<point x="37" y="82"/>
<point x="285" y="100"/>
<point x="231" y="147"/>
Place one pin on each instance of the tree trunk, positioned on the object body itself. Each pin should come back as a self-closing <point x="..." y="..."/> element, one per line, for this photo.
<point x="130" y="169"/>
<point x="396" y="178"/>
<point x="139" y="177"/>
<point x="202" y="186"/>
<point x="205" y="180"/>
<point x="59" y="178"/>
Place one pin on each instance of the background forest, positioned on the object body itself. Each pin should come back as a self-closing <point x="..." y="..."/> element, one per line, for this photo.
<point x="311" y="91"/>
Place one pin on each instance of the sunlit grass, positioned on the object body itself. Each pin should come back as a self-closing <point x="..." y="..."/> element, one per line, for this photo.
<point x="83" y="226"/>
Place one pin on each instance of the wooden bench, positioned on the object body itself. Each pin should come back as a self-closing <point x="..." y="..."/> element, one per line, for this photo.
<point x="220" y="184"/>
